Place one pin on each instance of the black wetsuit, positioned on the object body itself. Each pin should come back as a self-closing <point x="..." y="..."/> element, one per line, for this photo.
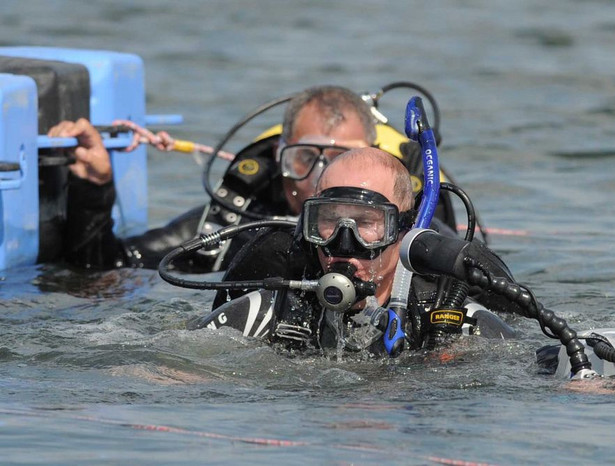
<point x="91" y="243"/>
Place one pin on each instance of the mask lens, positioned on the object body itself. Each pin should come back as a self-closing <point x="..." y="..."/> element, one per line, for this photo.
<point x="298" y="160"/>
<point x="368" y="223"/>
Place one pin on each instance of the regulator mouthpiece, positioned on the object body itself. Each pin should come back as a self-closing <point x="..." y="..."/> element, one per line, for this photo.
<point x="339" y="290"/>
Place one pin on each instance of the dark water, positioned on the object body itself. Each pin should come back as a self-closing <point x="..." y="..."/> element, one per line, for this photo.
<point x="99" y="368"/>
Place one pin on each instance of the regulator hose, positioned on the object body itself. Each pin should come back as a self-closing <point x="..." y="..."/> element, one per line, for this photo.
<point x="602" y="349"/>
<point x="410" y="85"/>
<point x="531" y="308"/>
<point x="213" y="239"/>
<point x="337" y="290"/>
<point x="452" y="293"/>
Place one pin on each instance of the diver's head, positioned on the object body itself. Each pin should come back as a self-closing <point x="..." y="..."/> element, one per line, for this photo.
<point x="360" y="214"/>
<point x="320" y="123"/>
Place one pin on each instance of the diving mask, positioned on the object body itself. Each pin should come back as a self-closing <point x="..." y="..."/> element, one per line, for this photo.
<point x="353" y="222"/>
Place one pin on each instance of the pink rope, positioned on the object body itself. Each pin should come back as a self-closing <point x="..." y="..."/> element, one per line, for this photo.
<point x="213" y="435"/>
<point x="163" y="141"/>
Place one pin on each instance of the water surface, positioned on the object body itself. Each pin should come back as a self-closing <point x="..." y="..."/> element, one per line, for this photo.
<point x="99" y="368"/>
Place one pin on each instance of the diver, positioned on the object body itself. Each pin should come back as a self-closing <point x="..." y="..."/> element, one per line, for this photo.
<point x="272" y="176"/>
<point x="352" y="227"/>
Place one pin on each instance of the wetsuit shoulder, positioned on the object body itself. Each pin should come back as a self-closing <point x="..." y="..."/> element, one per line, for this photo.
<point x="264" y="256"/>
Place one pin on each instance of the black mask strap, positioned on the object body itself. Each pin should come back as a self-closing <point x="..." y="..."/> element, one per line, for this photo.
<point x="406" y="219"/>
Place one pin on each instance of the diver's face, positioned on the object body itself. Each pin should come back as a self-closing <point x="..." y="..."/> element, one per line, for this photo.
<point x="381" y="269"/>
<point x="309" y="129"/>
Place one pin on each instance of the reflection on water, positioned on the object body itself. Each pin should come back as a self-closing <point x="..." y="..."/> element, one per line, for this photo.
<point x="92" y="285"/>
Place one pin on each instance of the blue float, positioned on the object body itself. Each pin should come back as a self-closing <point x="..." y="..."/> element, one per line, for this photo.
<point x="117" y="92"/>
<point x="18" y="171"/>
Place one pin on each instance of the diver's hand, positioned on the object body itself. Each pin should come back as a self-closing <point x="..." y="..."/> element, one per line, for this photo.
<point x="93" y="161"/>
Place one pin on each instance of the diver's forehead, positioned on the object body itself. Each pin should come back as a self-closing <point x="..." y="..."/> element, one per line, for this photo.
<point x="350" y="174"/>
<point x="312" y="121"/>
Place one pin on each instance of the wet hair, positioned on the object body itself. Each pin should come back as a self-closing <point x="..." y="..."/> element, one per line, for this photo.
<point x="369" y="157"/>
<point x="333" y="102"/>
